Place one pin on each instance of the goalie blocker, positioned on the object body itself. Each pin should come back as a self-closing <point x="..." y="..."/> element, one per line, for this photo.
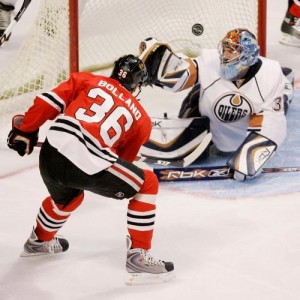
<point x="248" y="160"/>
<point x="173" y="138"/>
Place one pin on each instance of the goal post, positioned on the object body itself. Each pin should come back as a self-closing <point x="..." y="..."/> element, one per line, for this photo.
<point x="262" y="27"/>
<point x="77" y="35"/>
<point x="74" y="36"/>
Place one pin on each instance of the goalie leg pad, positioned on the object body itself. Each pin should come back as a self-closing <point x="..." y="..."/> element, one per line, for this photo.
<point x="173" y="138"/>
<point x="250" y="157"/>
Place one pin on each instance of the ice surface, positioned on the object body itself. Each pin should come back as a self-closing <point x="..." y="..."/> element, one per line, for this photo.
<point x="228" y="240"/>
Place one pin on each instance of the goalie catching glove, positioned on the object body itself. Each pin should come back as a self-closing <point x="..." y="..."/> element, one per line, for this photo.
<point x="165" y="69"/>
<point x="20" y="141"/>
<point x="248" y="160"/>
<point x="151" y="53"/>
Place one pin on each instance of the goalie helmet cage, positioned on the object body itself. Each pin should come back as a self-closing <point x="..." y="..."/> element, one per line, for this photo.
<point x="72" y="35"/>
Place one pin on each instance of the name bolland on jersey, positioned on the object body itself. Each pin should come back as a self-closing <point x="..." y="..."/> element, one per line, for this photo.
<point x="232" y="107"/>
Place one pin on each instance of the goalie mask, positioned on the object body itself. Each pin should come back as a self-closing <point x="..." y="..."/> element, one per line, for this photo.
<point x="238" y="51"/>
<point x="130" y="71"/>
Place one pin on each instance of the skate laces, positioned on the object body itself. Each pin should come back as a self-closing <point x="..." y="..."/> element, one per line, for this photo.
<point x="53" y="245"/>
<point x="149" y="259"/>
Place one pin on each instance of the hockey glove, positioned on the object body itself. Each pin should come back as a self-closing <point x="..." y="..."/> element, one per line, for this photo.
<point x="165" y="68"/>
<point x="20" y="141"/>
<point x="151" y="53"/>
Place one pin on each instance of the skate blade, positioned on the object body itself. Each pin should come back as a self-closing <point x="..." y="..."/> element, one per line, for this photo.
<point x="148" y="278"/>
<point x="28" y="254"/>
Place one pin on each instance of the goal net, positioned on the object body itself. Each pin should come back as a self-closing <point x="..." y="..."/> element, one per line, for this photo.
<point x="109" y="29"/>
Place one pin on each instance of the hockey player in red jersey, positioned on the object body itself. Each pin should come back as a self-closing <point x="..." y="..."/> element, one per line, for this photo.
<point x="98" y="131"/>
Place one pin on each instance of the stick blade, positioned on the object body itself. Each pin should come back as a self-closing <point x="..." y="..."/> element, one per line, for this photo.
<point x="188" y="160"/>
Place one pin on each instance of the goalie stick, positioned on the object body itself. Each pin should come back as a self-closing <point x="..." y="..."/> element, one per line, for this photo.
<point x="13" y="23"/>
<point x="194" y="173"/>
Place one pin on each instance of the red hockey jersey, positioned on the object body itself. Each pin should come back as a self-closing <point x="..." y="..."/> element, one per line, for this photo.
<point x="93" y="113"/>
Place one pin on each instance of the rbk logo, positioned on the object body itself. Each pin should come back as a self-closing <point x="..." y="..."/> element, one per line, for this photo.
<point x="156" y="123"/>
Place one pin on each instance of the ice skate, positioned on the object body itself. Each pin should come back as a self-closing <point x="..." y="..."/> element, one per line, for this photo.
<point x="144" y="269"/>
<point x="34" y="246"/>
<point x="290" y="29"/>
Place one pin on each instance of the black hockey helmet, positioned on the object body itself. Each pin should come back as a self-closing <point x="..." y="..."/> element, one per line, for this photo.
<point x="130" y="71"/>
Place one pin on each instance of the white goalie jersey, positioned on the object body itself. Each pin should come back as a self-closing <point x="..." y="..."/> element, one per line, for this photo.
<point x="246" y="116"/>
<point x="233" y="112"/>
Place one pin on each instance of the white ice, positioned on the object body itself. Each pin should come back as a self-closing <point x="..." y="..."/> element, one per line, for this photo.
<point x="228" y="240"/>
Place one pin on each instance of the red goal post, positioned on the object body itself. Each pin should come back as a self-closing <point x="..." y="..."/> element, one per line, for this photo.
<point x="262" y="26"/>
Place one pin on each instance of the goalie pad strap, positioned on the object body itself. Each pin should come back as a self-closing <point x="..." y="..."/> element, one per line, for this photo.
<point x="254" y="152"/>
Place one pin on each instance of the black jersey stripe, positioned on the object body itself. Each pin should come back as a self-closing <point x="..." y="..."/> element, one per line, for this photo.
<point x="85" y="142"/>
<point x="51" y="98"/>
<point x="77" y="127"/>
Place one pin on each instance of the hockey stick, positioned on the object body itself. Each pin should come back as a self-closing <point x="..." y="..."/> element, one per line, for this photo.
<point x="180" y="163"/>
<point x="195" y="173"/>
<point x="13" y="23"/>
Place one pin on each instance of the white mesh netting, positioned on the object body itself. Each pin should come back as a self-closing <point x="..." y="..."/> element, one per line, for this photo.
<point x="109" y="29"/>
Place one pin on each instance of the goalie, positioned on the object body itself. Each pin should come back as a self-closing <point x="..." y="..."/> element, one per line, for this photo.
<point x="244" y="95"/>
